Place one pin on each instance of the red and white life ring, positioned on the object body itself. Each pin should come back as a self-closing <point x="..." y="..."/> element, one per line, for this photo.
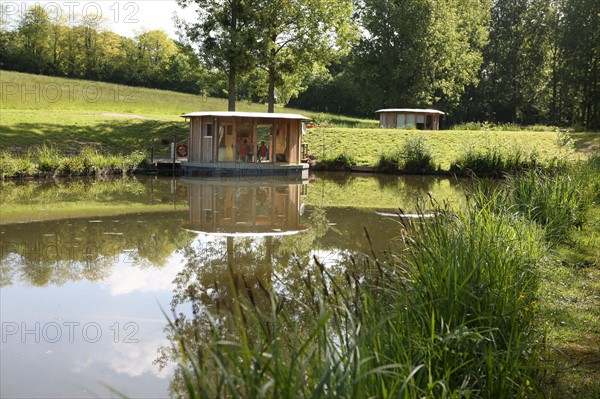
<point x="182" y="150"/>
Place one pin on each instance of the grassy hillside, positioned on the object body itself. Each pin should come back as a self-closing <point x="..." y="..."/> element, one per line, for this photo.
<point x="366" y="145"/>
<point x="71" y="113"/>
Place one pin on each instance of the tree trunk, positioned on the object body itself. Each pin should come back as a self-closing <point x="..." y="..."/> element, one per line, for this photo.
<point x="232" y="89"/>
<point x="232" y="66"/>
<point x="271" y="100"/>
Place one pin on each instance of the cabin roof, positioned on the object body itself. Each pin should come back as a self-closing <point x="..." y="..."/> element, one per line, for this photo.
<point x="263" y="115"/>
<point x="414" y="110"/>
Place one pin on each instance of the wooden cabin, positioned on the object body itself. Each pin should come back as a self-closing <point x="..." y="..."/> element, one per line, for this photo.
<point x="422" y="119"/>
<point x="238" y="144"/>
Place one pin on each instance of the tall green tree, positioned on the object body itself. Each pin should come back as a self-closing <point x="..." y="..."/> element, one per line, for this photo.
<point x="297" y="37"/>
<point x="578" y="95"/>
<point x="155" y="53"/>
<point x="516" y="74"/>
<point x="455" y="41"/>
<point x="224" y="32"/>
<point x="34" y="29"/>
<point x="419" y="52"/>
<point x="387" y="62"/>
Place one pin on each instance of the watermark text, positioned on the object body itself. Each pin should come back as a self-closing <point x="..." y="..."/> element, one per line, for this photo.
<point x="68" y="331"/>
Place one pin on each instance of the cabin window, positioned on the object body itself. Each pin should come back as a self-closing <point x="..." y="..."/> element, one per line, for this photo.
<point x="420" y="121"/>
<point x="208" y="130"/>
<point x="400" y="120"/>
<point x="410" y="119"/>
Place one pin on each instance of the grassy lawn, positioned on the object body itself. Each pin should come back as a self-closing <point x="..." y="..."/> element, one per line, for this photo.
<point x="72" y="113"/>
<point x="570" y="311"/>
<point x="72" y="130"/>
<point x="365" y="146"/>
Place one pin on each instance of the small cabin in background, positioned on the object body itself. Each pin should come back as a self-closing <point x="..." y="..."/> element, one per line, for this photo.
<point x="422" y="119"/>
<point x="237" y="144"/>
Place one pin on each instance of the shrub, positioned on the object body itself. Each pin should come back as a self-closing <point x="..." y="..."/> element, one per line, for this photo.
<point x="11" y="165"/>
<point x="49" y="159"/>
<point x="72" y="166"/>
<point x="339" y="162"/>
<point x="486" y="162"/>
<point x="416" y="155"/>
<point x="390" y="162"/>
<point x="134" y="160"/>
<point x="92" y="160"/>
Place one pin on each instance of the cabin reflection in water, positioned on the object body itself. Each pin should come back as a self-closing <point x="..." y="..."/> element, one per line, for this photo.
<point x="236" y="209"/>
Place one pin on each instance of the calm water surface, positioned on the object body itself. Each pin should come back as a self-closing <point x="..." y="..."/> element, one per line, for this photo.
<point x="88" y="267"/>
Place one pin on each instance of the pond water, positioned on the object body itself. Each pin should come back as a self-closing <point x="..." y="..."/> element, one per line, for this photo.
<point x="88" y="267"/>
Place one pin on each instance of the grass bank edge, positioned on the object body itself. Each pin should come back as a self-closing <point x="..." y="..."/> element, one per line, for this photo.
<point x="48" y="161"/>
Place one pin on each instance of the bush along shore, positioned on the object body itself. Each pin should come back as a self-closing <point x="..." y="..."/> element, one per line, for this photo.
<point x="455" y="313"/>
<point x="48" y="161"/>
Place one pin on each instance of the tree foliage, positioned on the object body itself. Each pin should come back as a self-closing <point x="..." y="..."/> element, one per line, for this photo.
<point x="414" y="53"/>
<point x="578" y="96"/>
<point x="267" y="44"/>
<point x="224" y="33"/>
<point x="298" y="38"/>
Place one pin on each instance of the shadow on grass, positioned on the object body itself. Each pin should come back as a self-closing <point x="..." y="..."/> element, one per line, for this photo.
<point x="587" y="142"/>
<point x="577" y="373"/>
<point x="118" y="136"/>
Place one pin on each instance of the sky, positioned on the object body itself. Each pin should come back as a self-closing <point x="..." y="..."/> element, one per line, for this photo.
<point x="125" y="17"/>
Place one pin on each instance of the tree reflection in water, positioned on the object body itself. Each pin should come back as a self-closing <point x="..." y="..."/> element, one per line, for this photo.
<point x="260" y="290"/>
<point x="76" y="245"/>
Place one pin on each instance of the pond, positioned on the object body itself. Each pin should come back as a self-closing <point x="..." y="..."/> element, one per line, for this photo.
<point x="91" y="269"/>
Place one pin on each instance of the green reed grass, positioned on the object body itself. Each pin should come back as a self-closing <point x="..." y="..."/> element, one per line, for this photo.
<point x="453" y="314"/>
<point x="496" y="159"/>
<point x="11" y="165"/>
<point x="338" y="162"/>
<point x="557" y="201"/>
<point x="50" y="160"/>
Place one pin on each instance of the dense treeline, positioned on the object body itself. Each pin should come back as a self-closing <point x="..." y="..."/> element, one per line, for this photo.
<point x="503" y="61"/>
<point x="40" y="42"/>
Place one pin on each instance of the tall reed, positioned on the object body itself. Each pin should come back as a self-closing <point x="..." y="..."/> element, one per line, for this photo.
<point x="556" y="201"/>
